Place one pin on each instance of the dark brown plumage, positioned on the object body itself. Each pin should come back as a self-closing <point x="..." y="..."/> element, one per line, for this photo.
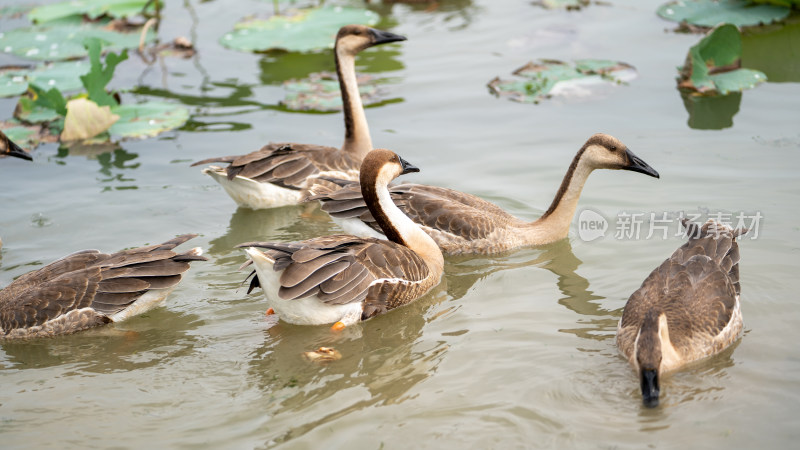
<point x="89" y="288"/>
<point x="686" y="309"/>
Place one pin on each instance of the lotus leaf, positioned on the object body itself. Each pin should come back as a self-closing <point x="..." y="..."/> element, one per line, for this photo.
<point x="100" y="74"/>
<point x="90" y="8"/>
<point x="85" y="120"/>
<point x="147" y="119"/>
<point x="713" y="65"/>
<point x="320" y="92"/>
<point x="307" y="30"/>
<point x="65" y="76"/>
<point x="709" y="13"/>
<point x="64" y="41"/>
<point x="545" y="78"/>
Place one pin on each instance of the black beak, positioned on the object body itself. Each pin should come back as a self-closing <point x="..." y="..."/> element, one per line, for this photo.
<point x="384" y="37"/>
<point x="407" y="167"/>
<point x="15" y="150"/>
<point x="650" y="391"/>
<point x="637" y="165"/>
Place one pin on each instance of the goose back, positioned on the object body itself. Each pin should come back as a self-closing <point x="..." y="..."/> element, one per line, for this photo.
<point x="90" y="288"/>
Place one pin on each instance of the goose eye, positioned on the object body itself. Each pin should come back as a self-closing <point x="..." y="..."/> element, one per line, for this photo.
<point x="613" y="148"/>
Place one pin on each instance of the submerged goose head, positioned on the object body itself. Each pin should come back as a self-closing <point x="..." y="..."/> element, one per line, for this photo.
<point x="602" y="151"/>
<point x="352" y="39"/>
<point x="649" y="354"/>
<point x="9" y="148"/>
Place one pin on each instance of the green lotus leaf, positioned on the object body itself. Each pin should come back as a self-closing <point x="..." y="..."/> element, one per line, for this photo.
<point x="320" y="92"/>
<point x="29" y="111"/>
<point x="64" y="41"/>
<point x="550" y="77"/>
<point x="709" y="13"/>
<point x="305" y="31"/>
<point x="91" y="8"/>
<point x="26" y="136"/>
<point x="147" y="119"/>
<point x="64" y="76"/>
<point x="713" y="65"/>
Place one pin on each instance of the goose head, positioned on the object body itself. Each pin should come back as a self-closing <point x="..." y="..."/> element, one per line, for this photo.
<point x="7" y="147"/>
<point x="648" y="357"/>
<point x="381" y="166"/>
<point x="354" y="38"/>
<point x="602" y="151"/>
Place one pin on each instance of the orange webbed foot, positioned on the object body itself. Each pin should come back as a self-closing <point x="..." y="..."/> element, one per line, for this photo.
<point x="338" y="326"/>
<point x="270" y="312"/>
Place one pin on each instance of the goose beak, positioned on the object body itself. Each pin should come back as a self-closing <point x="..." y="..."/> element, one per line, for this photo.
<point x="650" y="391"/>
<point x="384" y="37"/>
<point x="15" y="150"/>
<point x="407" y="167"/>
<point x="636" y="164"/>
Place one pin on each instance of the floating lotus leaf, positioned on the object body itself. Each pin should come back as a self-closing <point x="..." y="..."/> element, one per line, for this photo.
<point x="64" y="41"/>
<point x="709" y="13"/>
<point x="65" y="76"/>
<point x="85" y="120"/>
<point x="545" y="78"/>
<point x="91" y="8"/>
<point x="148" y="119"/>
<point x="320" y="92"/>
<point x="28" y="111"/>
<point x="26" y="136"/>
<point x="713" y="65"/>
<point x="14" y="11"/>
<point x="306" y="30"/>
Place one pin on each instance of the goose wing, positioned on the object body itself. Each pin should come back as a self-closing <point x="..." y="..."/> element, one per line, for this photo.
<point x="697" y="288"/>
<point x="106" y="283"/>
<point x="340" y="269"/>
<point x="288" y="165"/>
<point x="441" y="209"/>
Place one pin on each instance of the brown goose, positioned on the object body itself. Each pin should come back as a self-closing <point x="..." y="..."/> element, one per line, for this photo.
<point x="89" y="288"/>
<point x="464" y="223"/>
<point x="278" y="174"/>
<point x="686" y="309"/>
<point x="9" y="148"/>
<point x="345" y="279"/>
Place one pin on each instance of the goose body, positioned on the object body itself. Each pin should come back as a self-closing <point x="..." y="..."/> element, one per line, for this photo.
<point x="89" y="288"/>
<point x="280" y="173"/>
<point x="686" y="309"/>
<point x="462" y="223"/>
<point x="9" y="148"/>
<point x="344" y="279"/>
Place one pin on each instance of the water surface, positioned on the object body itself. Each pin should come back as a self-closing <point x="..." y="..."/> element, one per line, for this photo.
<point x="511" y="350"/>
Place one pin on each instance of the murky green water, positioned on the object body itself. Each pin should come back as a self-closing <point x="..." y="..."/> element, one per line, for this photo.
<point x="514" y="350"/>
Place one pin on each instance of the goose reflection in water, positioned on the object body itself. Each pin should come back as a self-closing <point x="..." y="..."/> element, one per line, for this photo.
<point x="382" y="360"/>
<point x="140" y="342"/>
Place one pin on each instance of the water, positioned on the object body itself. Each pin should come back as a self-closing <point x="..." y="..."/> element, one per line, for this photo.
<point x="511" y="350"/>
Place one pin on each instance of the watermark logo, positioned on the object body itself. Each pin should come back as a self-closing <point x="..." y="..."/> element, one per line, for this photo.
<point x="628" y="225"/>
<point x="591" y="225"/>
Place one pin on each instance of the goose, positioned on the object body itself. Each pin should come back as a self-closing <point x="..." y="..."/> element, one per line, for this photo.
<point x="686" y="309"/>
<point x="88" y="288"/>
<point x="463" y="223"/>
<point x="9" y="148"/>
<point x="278" y="173"/>
<point x="343" y="279"/>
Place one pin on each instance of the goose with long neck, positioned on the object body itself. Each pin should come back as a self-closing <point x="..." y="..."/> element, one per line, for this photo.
<point x="463" y="223"/>
<point x="279" y="174"/>
<point x="88" y="289"/>
<point x="9" y="148"/>
<point x="686" y="309"/>
<point x="343" y="279"/>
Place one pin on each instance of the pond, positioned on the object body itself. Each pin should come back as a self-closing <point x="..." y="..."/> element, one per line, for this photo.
<point x="513" y="350"/>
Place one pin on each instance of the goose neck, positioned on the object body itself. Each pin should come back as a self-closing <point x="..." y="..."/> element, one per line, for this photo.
<point x="356" y="138"/>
